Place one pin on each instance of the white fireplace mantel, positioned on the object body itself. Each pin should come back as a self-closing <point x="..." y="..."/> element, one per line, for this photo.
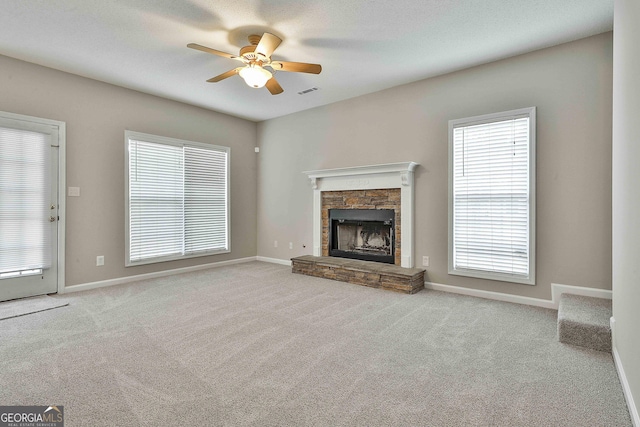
<point x="391" y="175"/>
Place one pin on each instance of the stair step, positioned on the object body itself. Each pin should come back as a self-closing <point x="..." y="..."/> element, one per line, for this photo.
<point x="584" y="321"/>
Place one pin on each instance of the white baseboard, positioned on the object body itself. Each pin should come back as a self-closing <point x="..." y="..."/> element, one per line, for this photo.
<point x="556" y="291"/>
<point x="274" y="260"/>
<point x="626" y="389"/>
<point x="128" y="279"/>
<point x="490" y="295"/>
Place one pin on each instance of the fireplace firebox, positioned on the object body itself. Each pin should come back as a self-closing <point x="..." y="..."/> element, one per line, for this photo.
<point x="365" y="234"/>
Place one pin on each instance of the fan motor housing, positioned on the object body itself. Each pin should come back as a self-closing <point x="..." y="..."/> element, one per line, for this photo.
<point x="248" y="53"/>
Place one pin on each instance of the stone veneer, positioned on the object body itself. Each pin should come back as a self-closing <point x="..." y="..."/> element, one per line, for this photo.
<point x="361" y="199"/>
<point x="365" y="273"/>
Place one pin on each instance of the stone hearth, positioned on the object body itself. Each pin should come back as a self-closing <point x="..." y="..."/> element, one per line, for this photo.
<point x="365" y="273"/>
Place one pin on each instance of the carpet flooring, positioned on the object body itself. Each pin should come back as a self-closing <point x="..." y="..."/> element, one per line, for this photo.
<point x="24" y="306"/>
<point x="255" y="345"/>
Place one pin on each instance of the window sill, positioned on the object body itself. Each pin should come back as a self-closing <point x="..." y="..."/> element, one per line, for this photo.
<point x="502" y="277"/>
<point x="174" y="258"/>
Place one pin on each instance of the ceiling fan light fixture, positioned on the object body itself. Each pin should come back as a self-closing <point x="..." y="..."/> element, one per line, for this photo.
<point x="255" y="76"/>
<point x="254" y="58"/>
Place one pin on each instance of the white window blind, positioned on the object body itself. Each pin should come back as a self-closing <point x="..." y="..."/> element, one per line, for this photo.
<point x="205" y="198"/>
<point x="25" y="195"/>
<point x="491" y="218"/>
<point x="177" y="199"/>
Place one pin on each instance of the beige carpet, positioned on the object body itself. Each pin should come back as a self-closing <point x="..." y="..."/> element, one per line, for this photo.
<point x="24" y="306"/>
<point x="253" y="344"/>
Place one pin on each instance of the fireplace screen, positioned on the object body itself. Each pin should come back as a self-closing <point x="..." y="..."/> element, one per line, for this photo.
<point x="366" y="234"/>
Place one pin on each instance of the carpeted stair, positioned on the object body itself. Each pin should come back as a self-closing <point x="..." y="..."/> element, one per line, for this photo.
<point x="584" y="321"/>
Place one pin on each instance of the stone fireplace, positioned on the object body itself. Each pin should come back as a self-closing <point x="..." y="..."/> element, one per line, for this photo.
<point x="360" y="215"/>
<point x="377" y="187"/>
<point x="354" y="205"/>
<point x="364" y="214"/>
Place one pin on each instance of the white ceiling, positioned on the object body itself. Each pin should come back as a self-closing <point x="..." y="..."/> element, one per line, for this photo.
<point x="363" y="45"/>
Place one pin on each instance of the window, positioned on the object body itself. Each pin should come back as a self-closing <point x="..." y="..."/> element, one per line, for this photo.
<point x="177" y="201"/>
<point x="492" y="196"/>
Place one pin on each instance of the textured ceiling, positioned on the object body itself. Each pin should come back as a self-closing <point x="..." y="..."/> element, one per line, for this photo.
<point x="363" y="45"/>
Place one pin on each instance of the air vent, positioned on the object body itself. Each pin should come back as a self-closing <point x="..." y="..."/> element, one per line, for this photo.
<point x="304" y="92"/>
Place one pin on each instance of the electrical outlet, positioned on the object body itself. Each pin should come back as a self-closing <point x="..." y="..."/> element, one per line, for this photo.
<point x="275" y="243"/>
<point x="100" y="260"/>
<point x="425" y="261"/>
<point x="290" y="245"/>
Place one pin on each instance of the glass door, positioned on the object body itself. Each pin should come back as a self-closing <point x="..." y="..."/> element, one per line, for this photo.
<point x="28" y="207"/>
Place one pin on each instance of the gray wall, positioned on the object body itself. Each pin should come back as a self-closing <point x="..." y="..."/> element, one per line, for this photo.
<point x="96" y="116"/>
<point x="626" y="192"/>
<point x="571" y="86"/>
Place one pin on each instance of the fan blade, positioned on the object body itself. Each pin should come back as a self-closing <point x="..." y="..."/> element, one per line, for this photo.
<point x="225" y="75"/>
<point x="268" y="43"/>
<point x="273" y="86"/>
<point x="296" y="67"/>
<point x="215" y="52"/>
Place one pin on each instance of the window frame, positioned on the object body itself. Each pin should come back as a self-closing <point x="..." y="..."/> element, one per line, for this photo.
<point x="529" y="279"/>
<point x="139" y="136"/>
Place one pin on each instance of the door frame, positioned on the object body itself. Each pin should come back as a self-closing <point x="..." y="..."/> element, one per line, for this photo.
<point x="62" y="185"/>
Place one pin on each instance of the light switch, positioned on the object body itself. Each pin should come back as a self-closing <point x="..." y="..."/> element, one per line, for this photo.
<point x="74" y="191"/>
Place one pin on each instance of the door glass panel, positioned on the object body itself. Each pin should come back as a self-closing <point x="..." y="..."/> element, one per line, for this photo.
<point x="25" y="197"/>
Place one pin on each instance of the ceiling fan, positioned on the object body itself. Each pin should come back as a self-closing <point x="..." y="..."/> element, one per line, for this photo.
<point x="255" y="58"/>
